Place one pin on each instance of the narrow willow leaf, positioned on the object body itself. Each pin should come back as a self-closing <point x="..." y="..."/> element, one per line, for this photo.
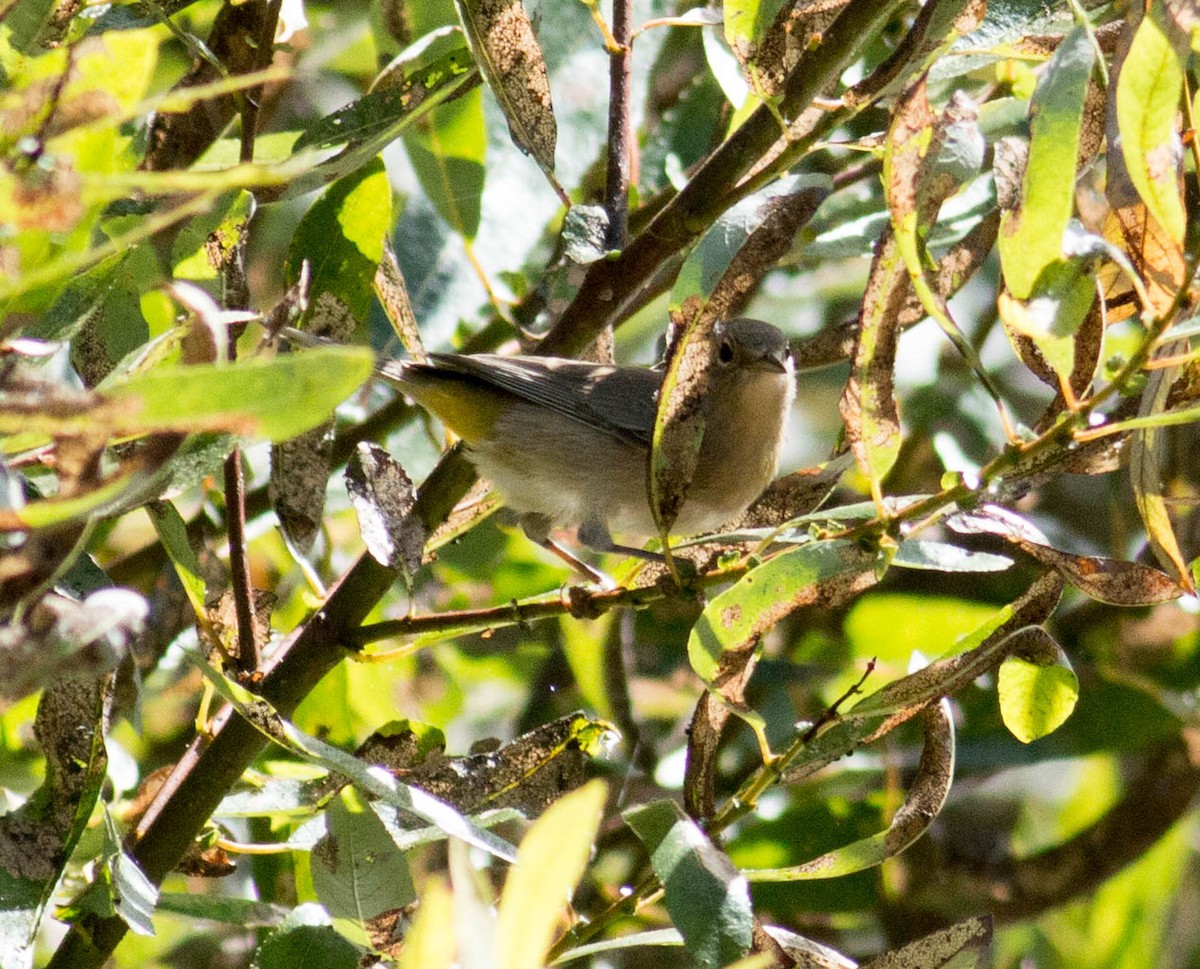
<point x="868" y="405"/>
<point x="432" y="71"/>
<point x="1037" y="688"/>
<point x="1105" y="579"/>
<point x="172" y="532"/>
<point x="707" y="897"/>
<point x="962" y="946"/>
<point x="505" y="47"/>
<point x="275" y="399"/>
<point x="70" y="730"/>
<point x="1031" y="234"/>
<point x="714" y="283"/>
<point x="917" y="553"/>
<point x="634" y="940"/>
<point x="1145" y="472"/>
<point x="435" y="70"/>
<point x="550" y="861"/>
<point x="226" y="909"/>
<point x="1148" y="91"/>
<point x="134" y="895"/>
<point x="803" y="576"/>
<point x="921" y="806"/>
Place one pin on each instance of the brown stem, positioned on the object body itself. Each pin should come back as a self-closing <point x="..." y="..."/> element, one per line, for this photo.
<point x="610" y="282"/>
<point x="616" y="185"/>
<point x="210" y="767"/>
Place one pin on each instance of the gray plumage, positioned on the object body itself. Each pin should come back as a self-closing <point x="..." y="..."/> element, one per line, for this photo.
<point x="567" y="442"/>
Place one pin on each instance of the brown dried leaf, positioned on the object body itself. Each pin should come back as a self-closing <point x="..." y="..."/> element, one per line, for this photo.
<point x="223" y="621"/>
<point x="504" y="45"/>
<point x="797" y="25"/>
<point x="935" y="29"/>
<point x="716" y="706"/>
<point x="299" y="473"/>
<point x="37" y="838"/>
<point x="1145" y="473"/>
<point x="782" y="217"/>
<point x="383" y="497"/>
<point x="679" y="426"/>
<point x="1106" y="580"/>
<point x="964" y="945"/>
<point x="393" y="296"/>
<point x="526" y="774"/>
<point x="931" y="783"/>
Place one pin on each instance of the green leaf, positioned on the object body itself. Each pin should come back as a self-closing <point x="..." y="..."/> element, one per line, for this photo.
<point x="550" y="861"/>
<point x="307" y="939"/>
<point x="134" y="895"/>
<point x="1037" y="696"/>
<point x="707" y="897"/>
<point x="172" y="532"/>
<point x="341" y="237"/>
<point x="275" y="399"/>
<point x="227" y="909"/>
<point x="1147" y="102"/>
<point x="200" y="250"/>
<point x="448" y="150"/>
<point x="1031" y="235"/>
<point x="768" y="593"/>
<point x="26" y="20"/>
<point x="358" y="871"/>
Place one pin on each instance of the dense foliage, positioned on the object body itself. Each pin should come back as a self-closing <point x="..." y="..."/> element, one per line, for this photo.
<point x="263" y="701"/>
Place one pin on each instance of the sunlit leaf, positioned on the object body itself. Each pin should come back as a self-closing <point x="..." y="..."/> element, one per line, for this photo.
<point x="1147" y="101"/>
<point x="550" y="861"/>
<point x="765" y="595"/>
<point x="505" y="47"/>
<point x="275" y="399"/>
<point x="1037" y="689"/>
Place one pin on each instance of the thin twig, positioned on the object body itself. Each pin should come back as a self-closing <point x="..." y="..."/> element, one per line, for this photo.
<point x="620" y="145"/>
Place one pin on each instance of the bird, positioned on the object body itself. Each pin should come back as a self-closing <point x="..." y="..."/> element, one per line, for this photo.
<point x="566" y="443"/>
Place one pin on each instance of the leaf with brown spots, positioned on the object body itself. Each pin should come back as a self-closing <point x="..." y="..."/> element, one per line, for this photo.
<point x="503" y="43"/>
<point x="1104" y="579"/>
<point x="921" y="806"/>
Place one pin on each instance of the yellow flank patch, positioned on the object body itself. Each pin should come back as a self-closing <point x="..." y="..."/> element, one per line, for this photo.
<point x="467" y="408"/>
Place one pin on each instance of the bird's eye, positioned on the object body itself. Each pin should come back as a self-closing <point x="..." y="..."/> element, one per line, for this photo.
<point x="725" y="352"/>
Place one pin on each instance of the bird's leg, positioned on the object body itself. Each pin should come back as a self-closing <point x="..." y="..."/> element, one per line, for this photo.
<point x="595" y="535"/>
<point x="537" y="529"/>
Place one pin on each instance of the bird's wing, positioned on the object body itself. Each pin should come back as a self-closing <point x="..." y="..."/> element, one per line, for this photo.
<point x="616" y="400"/>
